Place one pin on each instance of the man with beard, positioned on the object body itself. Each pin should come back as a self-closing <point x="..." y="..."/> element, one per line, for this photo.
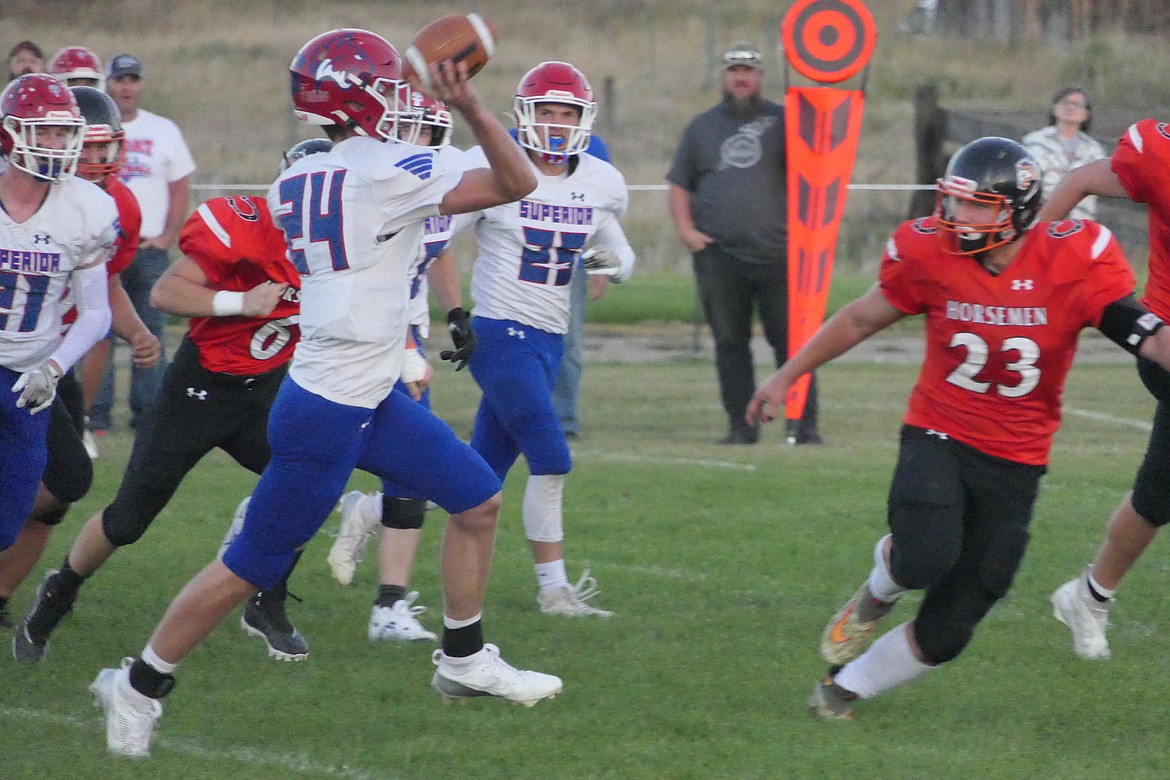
<point x="728" y="200"/>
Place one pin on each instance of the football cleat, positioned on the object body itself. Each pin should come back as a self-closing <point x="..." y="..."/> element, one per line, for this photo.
<point x="264" y="617"/>
<point x="1086" y="618"/>
<point x="851" y="629"/>
<point x="130" y="716"/>
<point x="398" y="623"/>
<point x="237" y="525"/>
<point x="487" y="674"/>
<point x="572" y="600"/>
<point x="830" y="701"/>
<point x="349" y="548"/>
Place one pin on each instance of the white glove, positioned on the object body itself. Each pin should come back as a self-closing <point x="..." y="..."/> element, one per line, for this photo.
<point x="601" y="261"/>
<point x="414" y="367"/>
<point x="37" y="388"/>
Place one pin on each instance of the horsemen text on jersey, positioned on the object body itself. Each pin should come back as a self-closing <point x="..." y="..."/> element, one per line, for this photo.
<point x="1018" y="316"/>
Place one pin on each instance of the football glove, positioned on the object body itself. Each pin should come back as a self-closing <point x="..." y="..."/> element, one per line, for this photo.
<point x="601" y="261"/>
<point x="37" y="388"/>
<point x="462" y="336"/>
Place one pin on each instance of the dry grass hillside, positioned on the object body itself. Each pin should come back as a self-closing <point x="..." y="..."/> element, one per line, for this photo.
<point x="220" y="70"/>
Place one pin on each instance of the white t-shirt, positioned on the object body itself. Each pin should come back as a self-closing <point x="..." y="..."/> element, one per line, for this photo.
<point x="75" y="227"/>
<point x="156" y="155"/>
<point x="529" y="249"/>
<point x="353" y="219"/>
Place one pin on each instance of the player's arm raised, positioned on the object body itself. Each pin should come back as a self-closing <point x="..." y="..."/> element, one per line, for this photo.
<point x="510" y="176"/>
<point x="1095" y="178"/>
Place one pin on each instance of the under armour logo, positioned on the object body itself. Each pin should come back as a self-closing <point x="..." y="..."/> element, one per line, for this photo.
<point x="516" y="333"/>
<point x="41" y="238"/>
<point x="1022" y="284"/>
<point x="940" y="434"/>
<point x="577" y="196"/>
<point x="193" y="393"/>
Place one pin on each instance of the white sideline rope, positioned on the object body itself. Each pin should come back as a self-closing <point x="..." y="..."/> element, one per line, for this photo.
<point x="630" y="187"/>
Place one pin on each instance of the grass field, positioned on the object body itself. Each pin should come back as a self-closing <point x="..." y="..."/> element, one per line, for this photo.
<point x="722" y="565"/>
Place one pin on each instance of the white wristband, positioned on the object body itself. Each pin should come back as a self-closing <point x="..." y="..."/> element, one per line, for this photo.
<point x="414" y="366"/>
<point x="227" y="304"/>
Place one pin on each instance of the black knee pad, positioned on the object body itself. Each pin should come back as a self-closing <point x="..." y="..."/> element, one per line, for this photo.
<point x="403" y="513"/>
<point x="53" y="516"/>
<point x="947" y="619"/>
<point x="120" y="526"/>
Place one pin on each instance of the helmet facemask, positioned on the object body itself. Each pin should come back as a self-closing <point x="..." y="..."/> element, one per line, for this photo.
<point x="29" y="152"/>
<point x="972" y="238"/>
<point x="557" y="142"/>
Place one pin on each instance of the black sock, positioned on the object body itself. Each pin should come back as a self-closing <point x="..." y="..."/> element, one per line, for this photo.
<point x="388" y="594"/>
<point x="462" y="642"/>
<point x="1093" y="592"/>
<point x="149" y="681"/>
<point x="67" y="581"/>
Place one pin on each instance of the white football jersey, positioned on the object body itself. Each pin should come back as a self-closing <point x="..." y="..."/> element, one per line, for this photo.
<point x="75" y="227"/>
<point x="437" y="234"/>
<point x="353" y="221"/>
<point x="529" y="249"/>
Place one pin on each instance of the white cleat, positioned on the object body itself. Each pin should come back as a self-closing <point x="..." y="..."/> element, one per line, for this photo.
<point x="487" y="674"/>
<point x="572" y="600"/>
<point x="399" y="623"/>
<point x="89" y="441"/>
<point x="1086" y="618"/>
<point x="237" y="525"/>
<point x="349" y="549"/>
<point x="130" y="716"/>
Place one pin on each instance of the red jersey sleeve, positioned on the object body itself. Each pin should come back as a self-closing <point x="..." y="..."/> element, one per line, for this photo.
<point x="129" y="226"/>
<point x="1140" y="162"/>
<point x="900" y="277"/>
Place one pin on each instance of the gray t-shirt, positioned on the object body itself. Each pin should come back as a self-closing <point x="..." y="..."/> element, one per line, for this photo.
<point x="734" y="169"/>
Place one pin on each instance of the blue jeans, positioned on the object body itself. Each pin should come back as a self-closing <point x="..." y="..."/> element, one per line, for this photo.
<point x="568" y="385"/>
<point x="148" y="265"/>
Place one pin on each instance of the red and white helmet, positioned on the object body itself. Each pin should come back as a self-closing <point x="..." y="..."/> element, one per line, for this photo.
<point x="433" y="113"/>
<point x="30" y="106"/>
<point x="352" y="78"/>
<point x="554" y="82"/>
<point x="78" y="62"/>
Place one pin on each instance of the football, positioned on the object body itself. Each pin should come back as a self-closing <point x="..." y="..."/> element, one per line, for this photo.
<point x="468" y="38"/>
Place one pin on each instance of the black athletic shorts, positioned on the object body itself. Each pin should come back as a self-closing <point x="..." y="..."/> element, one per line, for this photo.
<point x="195" y="412"/>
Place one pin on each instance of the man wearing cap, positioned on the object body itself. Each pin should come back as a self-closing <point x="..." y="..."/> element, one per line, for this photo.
<point x="157" y="170"/>
<point x="728" y="199"/>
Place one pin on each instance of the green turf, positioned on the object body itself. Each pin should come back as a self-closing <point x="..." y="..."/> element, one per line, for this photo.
<point x="722" y="565"/>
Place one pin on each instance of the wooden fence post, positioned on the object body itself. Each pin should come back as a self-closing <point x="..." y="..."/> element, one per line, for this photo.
<point x="929" y="136"/>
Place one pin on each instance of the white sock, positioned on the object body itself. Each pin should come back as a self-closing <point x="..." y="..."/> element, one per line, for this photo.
<point x="151" y="659"/>
<point x="888" y="663"/>
<point x="450" y="622"/>
<point x="881" y="584"/>
<point x="551" y="575"/>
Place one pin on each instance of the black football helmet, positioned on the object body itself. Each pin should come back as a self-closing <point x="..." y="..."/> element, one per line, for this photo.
<point x="304" y="149"/>
<point x="103" y="129"/>
<point x="990" y="171"/>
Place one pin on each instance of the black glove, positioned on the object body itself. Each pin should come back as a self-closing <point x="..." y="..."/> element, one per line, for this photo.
<point x="462" y="336"/>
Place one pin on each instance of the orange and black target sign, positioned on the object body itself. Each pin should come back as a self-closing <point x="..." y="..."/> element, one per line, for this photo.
<point x="828" y="40"/>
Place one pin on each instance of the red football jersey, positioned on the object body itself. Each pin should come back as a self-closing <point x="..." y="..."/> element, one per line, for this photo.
<point x="129" y="223"/>
<point x="998" y="348"/>
<point x="1140" y="161"/>
<point x="235" y="242"/>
